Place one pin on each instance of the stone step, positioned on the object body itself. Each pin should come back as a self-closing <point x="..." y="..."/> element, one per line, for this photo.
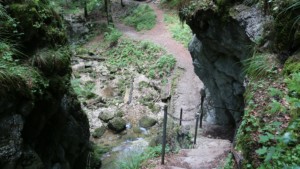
<point x="206" y="151"/>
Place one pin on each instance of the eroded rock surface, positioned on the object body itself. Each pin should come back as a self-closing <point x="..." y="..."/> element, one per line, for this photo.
<point x="218" y="49"/>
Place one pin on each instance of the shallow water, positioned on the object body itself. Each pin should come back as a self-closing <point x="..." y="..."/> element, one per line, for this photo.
<point x="127" y="149"/>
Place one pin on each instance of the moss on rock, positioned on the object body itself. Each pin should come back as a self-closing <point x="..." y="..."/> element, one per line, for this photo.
<point x="106" y="116"/>
<point x="36" y="23"/>
<point x="147" y="122"/>
<point x="53" y="61"/>
<point x="99" y="132"/>
<point x="117" y="124"/>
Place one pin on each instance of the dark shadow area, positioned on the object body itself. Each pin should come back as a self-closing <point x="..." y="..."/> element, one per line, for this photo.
<point x="218" y="132"/>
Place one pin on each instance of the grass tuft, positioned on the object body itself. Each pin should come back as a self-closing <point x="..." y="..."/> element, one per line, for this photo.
<point x="142" y="18"/>
<point x="180" y="31"/>
<point x="52" y="61"/>
<point x="259" y="65"/>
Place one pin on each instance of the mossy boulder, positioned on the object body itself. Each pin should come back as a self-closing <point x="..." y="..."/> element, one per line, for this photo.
<point x="147" y="122"/>
<point x="99" y="132"/>
<point x="106" y="116"/>
<point x="53" y="61"/>
<point x="136" y="130"/>
<point x="117" y="124"/>
<point x="36" y="24"/>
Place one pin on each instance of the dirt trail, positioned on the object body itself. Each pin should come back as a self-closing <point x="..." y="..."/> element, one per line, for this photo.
<point x="207" y="152"/>
<point x="187" y="93"/>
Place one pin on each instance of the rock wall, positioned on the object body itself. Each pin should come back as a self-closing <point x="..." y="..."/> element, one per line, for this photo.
<point x="50" y="132"/>
<point x="221" y="42"/>
<point x="42" y="125"/>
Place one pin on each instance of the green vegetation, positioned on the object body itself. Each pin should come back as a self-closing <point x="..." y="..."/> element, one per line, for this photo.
<point x="259" y="65"/>
<point x="112" y="35"/>
<point x="141" y="18"/>
<point x="180" y="31"/>
<point x="85" y="90"/>
<point x="271" y="121"/>
<point x="171" y="3"/>
<point x="189" y="7"/>
<point x="134" y="160"/>
<point x="18" y="72"/>
<point x="96" y="154"/>
<point x="149" y="59"/>
<point x="21" y="78"/>
<point x="229" y="162"/>
<point x="53" y="61"/>
<point x="165" y="65"/>
<point x="41" y="24"/>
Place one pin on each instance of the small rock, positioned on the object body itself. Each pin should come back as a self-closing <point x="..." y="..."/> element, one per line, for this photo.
<point x="117" y="124"/>
<point x="106" y="116"/>
<point x="99" y="132"/>
<point x="147" y="122"/>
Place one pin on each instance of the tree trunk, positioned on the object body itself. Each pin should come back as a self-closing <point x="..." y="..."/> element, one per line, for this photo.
<point x="85" y="9"/>
<point x="108" y="12"/>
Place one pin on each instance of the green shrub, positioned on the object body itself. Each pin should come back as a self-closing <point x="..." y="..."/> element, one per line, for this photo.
<point x="286" y="153"/>
<point x="292" y="65"/>
<point x="142" y="18"/>
<point x="36" y="24"/>
<point x="229" y="162"/>
<point x="84" y="91"/>
<point x="180" y="31"/>
<point x="259" y="65"/>
<point x="112" y="35"/>
<point x="94" y="4"/>
<point x="171" y="3"/>
<point x="148" y="58"/>
<point x="134" y="159"/>
<point x="21" y="78"/>
<point x="165" y="65"/>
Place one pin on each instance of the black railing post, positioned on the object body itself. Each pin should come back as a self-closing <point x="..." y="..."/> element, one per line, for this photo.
<point x="203" y="95"/>
<point x="196" y="127"/>
<point x="164" y="135"/>
<point x="180" y="117"/>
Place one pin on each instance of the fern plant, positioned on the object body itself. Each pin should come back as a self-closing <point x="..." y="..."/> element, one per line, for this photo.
<point x="258" y="66"/>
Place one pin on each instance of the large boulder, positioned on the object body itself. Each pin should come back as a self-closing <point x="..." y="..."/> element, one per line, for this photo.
<point x="117" y="124"/>
<point x="106" y="116"/>
<point x="147" y="122"/>
<point x="99" y="132"/>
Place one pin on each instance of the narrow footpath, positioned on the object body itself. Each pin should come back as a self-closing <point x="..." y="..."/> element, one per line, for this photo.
<point x="208" y="152"/>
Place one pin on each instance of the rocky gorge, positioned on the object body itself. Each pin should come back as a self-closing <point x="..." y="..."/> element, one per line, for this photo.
<point x="219" y="47"/>
<point x="93" y="97"/>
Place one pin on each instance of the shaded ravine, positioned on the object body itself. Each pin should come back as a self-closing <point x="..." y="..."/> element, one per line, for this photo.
<point x="187" y="92"/>
<point x="208" y="153"/>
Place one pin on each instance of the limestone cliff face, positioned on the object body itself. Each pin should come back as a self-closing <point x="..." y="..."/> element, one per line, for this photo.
<point x="221" y="43"/>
